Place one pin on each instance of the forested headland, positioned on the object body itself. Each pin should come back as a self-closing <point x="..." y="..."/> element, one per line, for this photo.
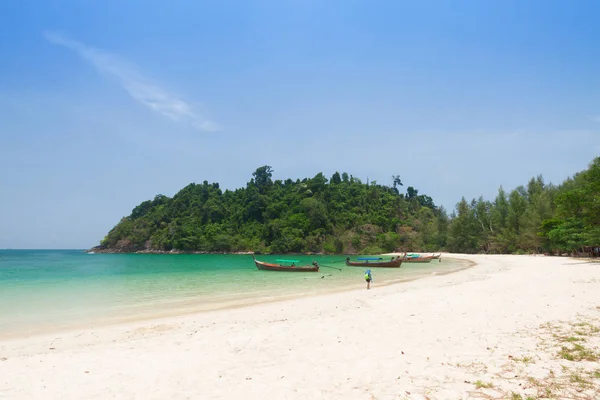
<point x="342" y="214"/>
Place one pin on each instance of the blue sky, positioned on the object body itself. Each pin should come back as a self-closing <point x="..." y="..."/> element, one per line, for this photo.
<point x="104" y="103"/>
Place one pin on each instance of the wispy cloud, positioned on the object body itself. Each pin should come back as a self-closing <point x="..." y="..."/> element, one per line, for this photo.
<point x="139" y="87"/>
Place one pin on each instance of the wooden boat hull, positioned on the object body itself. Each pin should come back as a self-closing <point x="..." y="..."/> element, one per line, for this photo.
<point x="423" y="259"/>
<point x="418" y="260"/>
<point x="263" y="266"/>
<point x="378" y="264"/>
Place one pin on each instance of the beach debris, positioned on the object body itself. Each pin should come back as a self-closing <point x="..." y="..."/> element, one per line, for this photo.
<point x="3" y="359"/>
<point x="248" y="378"/>
<point x="278" y="320"/>
<point x="52" y="348"/>
<point x="87" y="372"/>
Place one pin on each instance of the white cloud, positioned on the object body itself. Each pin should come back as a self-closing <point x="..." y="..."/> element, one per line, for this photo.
<point x="140" y="88"/>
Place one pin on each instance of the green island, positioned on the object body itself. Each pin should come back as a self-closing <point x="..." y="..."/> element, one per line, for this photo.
<point x="344" y="215"/>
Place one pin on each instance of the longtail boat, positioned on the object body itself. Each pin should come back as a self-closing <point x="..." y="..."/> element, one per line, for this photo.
<point x="291" y="266"/>
<point x="375" y="262"/>
<point x="417" y="258"/>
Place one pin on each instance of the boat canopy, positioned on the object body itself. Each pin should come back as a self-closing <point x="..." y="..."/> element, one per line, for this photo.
<point x="292" y="261"/>
<point x="370" y="258"/>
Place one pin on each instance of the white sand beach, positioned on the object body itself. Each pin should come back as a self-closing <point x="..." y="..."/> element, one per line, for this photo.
<point x="505" y="328"/>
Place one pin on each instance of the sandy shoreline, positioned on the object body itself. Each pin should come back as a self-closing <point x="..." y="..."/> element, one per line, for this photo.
<point x="441" y="337"/>
<point x="177" y="306"/>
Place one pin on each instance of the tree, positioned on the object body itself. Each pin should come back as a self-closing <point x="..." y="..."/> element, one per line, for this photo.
<point x="426" y="201"/>
<point x="396" y="182"/>
<point x="577" y="221"/>
<point x="335" y="178"/>
<point x="500" y="239"/>
<point x="411" y="193"/>
<point x="262" y="177"/>
<point x="318" y="183"/>
<point x="517" y="205"/>
<point x="442" y="228"/>
<point x="483" y="216"/>
<point x="463" y="237"/>
<point x="538" y="210"/>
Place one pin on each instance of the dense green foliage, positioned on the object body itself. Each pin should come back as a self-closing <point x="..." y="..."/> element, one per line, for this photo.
<point x="335" y="215"/>
<point x="344" y="215"/>
<point x="537" y="218"/>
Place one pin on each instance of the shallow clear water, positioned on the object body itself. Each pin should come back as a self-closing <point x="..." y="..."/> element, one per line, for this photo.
<point x="56" y="289"/>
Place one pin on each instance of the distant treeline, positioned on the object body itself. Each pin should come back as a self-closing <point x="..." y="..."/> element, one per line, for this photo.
<point x="536" y="218"/>
<point x="344" y="215"/>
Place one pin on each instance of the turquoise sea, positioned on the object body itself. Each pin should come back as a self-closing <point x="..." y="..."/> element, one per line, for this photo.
<point x="49" y="290"/>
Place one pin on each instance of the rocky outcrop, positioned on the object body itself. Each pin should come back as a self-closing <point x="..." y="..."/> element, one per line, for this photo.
<point x="126" y="248"/>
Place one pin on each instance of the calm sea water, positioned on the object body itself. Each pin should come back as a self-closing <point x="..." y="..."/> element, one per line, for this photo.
<point x="44" y="290"/>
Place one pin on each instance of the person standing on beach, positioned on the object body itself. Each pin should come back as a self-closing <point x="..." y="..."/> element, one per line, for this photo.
<point x="368" y="278"/>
